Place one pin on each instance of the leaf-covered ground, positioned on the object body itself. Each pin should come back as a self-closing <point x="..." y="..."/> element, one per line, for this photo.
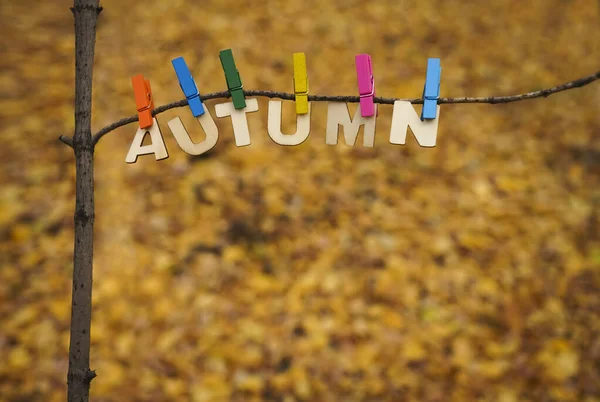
<point x="470" y="271"/>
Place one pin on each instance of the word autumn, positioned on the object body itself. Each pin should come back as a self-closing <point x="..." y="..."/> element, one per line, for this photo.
<point x="424" y="128"/>
<point x="404" y="117"/>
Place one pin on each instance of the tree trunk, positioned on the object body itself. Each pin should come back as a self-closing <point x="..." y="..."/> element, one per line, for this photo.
<point x="79" y="376"/>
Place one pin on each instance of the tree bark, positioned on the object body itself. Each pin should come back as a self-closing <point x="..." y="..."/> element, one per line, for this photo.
<point x="79" y="376"/>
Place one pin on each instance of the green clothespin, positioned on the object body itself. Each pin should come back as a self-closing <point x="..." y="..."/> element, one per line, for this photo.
<point x="234" y="82"/>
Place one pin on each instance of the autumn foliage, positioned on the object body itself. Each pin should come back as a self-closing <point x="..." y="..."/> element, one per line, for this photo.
<point x="470" y="271"/>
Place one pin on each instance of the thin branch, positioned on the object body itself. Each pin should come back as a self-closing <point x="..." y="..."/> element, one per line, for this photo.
<point x="66" y="140"/>
<point x="355" y="99"/>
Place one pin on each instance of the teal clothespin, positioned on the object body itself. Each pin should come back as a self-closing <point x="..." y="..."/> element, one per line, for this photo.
<point x="232" y="76"/>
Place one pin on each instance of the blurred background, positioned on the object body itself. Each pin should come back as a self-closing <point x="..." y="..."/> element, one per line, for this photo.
<point x="470" y="271"/>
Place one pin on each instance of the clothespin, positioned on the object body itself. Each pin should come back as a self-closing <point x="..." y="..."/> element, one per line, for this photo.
<point x="143" y="100"/>
<point x="366" y="84"/>
<point x="188" y="86"/>
<point x="431" y="92"/>
<point x="232" y="76"/>
<point x="300" y="83"/>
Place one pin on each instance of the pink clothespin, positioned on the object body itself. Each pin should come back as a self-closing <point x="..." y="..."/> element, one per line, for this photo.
<point x="366" y="84"/>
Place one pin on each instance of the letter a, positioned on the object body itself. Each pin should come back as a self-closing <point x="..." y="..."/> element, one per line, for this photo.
<point x="157" y="147"/>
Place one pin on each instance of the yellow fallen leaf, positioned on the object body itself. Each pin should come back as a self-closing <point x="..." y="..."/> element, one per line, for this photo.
<point x="493" y="369"/>
<point x="507" y="395"/>
<point x="232" y="254"/>
<point x="174" y="387"/>
<point x="559" y="359"/>
<point x="412" y="350"/>
<point x="19" y="358"/>
<point x="250" y="383"/>
<point x="462" y="352"/>
<point x="60" y="309"/>
<point x="21" y="233"/>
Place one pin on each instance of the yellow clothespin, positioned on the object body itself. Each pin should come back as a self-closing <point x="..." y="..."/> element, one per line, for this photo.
<point x="300" y="83"/>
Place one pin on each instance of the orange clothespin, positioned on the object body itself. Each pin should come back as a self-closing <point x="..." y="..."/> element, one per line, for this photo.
<point x="143" y="100"/>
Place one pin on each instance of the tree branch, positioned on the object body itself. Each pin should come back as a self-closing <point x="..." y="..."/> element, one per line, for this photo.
<point x="79" y="375"/>
<point x="66" y="140"/>
<point x="353" y="99"/>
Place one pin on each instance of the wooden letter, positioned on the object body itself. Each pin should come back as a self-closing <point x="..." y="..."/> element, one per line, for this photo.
<point x="404" y="117"/>
<point x="274" y="126"/>
<point x="338" y="114"/>
<point x="157" y="147"/>
<point x="184" y="140"/>
<point x="238" y="119"/>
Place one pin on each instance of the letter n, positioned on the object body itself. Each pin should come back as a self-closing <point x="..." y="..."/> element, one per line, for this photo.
<point x="405" y="117"/>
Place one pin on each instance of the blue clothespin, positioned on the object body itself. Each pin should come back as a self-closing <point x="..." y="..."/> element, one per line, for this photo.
<point x="431" y="92"/>
<point x="188" y="86"/>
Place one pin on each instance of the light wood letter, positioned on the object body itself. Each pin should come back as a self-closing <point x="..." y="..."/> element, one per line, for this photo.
<point x="405" y="116"/>
<point x="338" y="114"/>
<point x="238" y="119"/>
<point x="274" y="126"/>
<point x="157" y="147"/>
<point x="184" y="140"/>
